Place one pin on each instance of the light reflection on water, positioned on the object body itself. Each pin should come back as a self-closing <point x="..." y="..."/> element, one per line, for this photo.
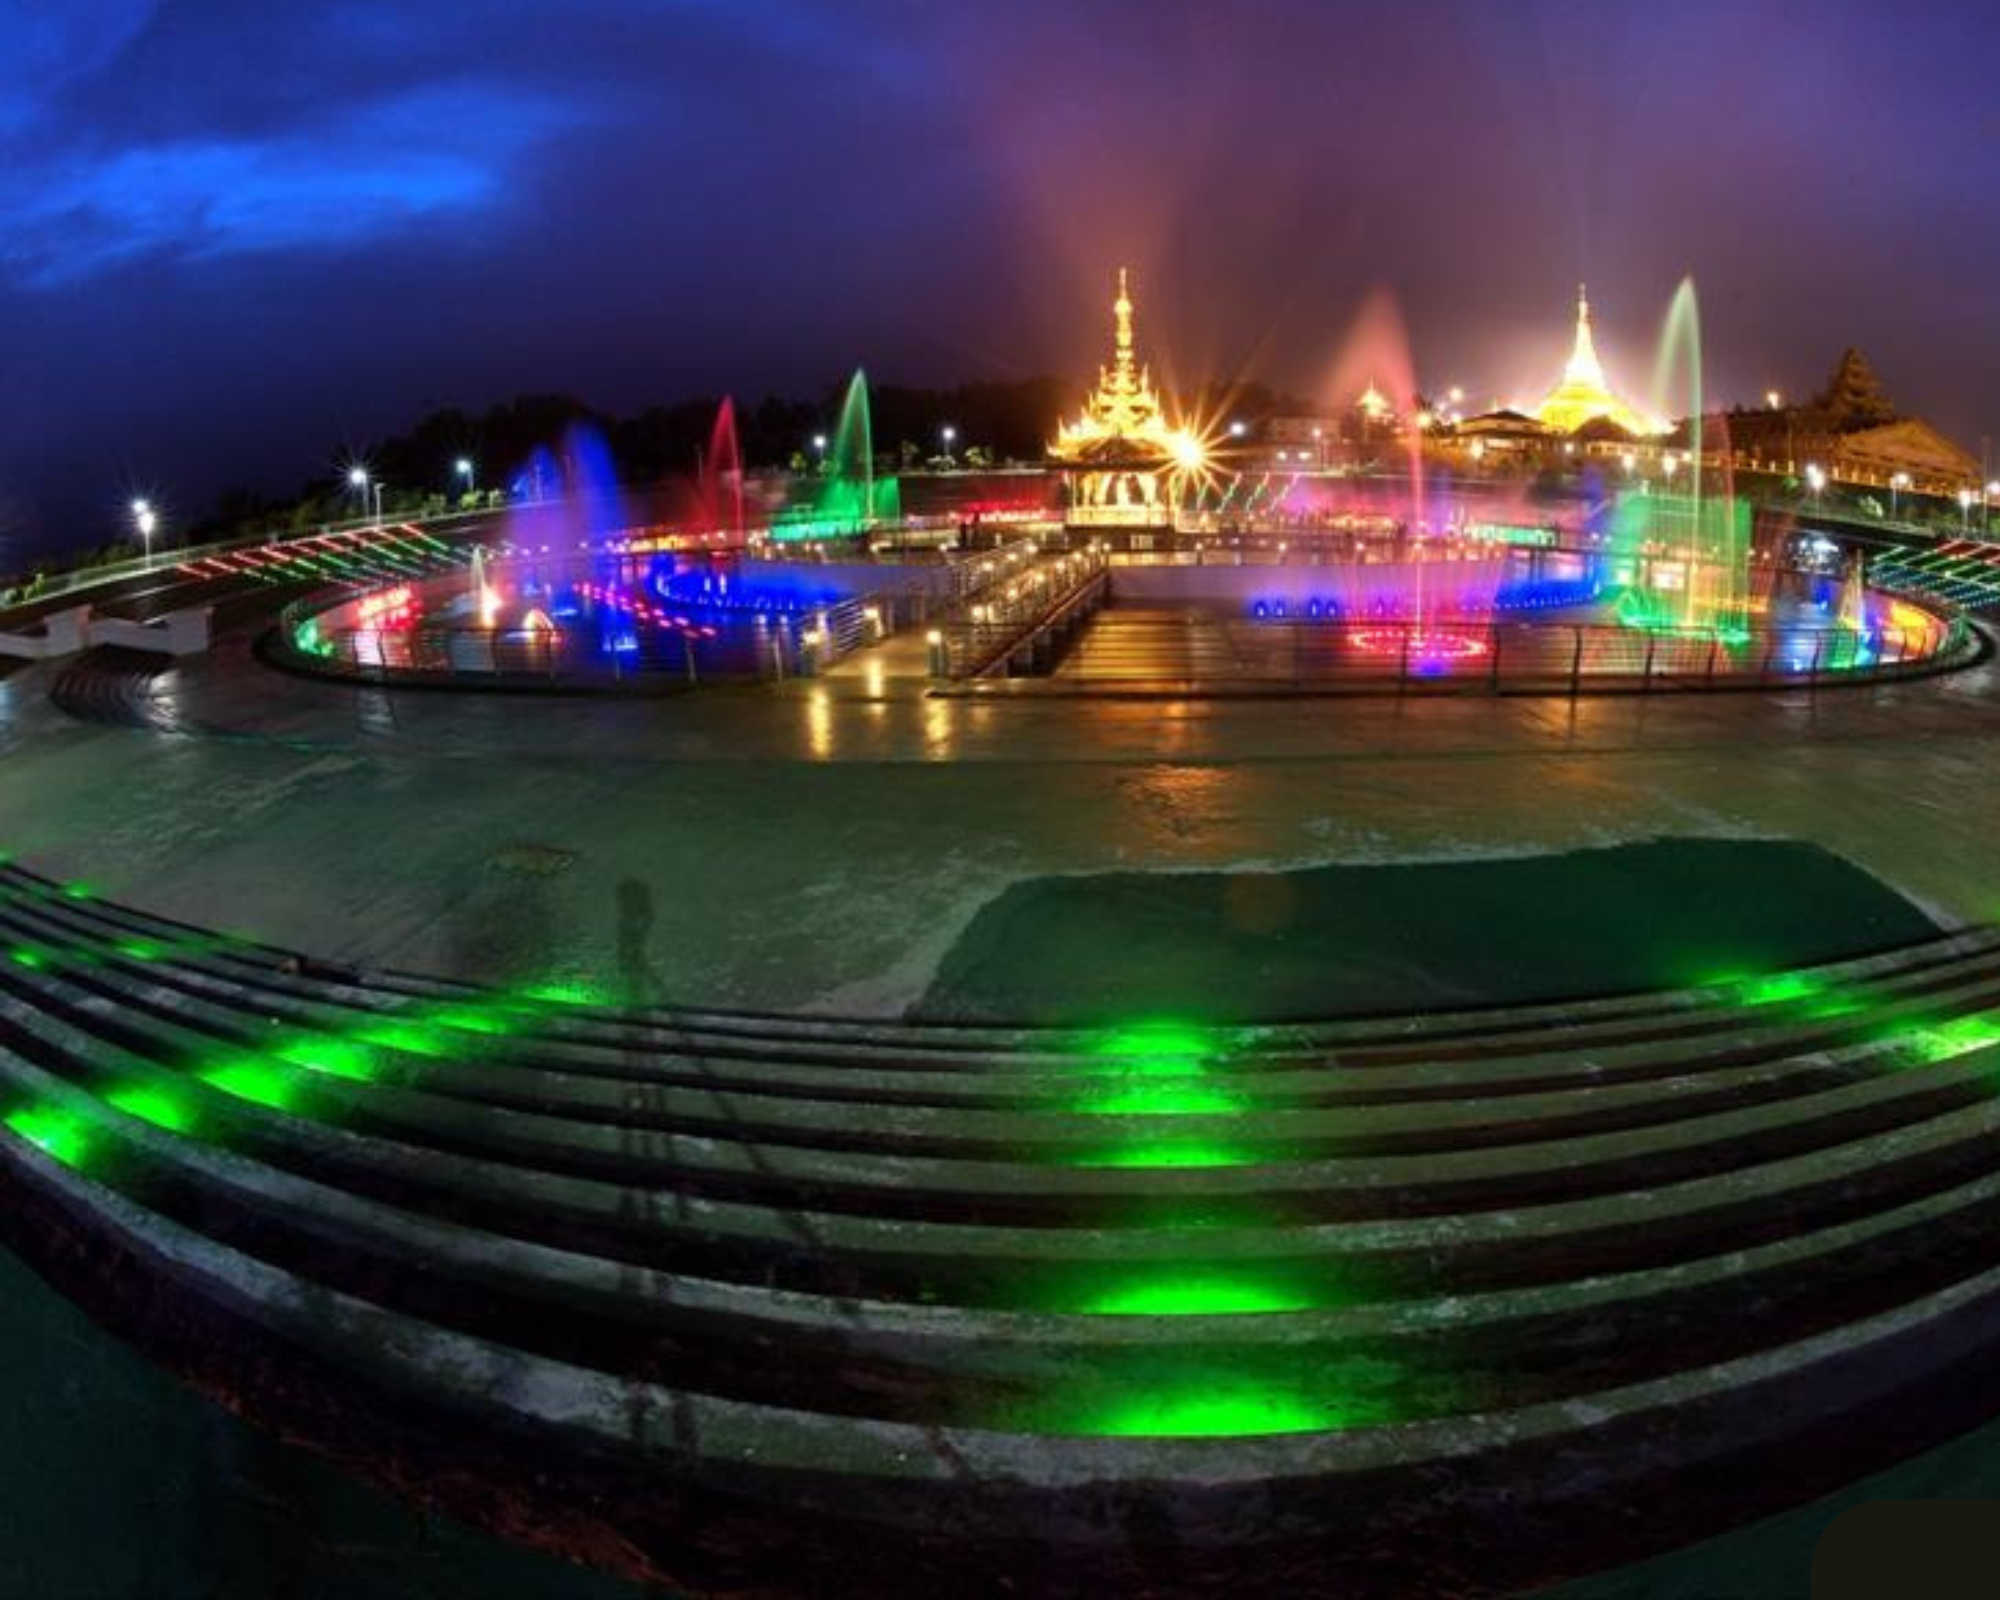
<point x="940" y="729"/>
<point x="598" y="614"/>
<point x="819" y="725"/>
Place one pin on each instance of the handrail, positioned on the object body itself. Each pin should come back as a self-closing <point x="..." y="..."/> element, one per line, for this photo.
<point x="1570" y="658"/>
<point x="980" y="632"/>
<point x="801" y="644"/>
<point x="165" y="559"/>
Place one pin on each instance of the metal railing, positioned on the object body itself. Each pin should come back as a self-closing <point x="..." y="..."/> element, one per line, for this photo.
<point x="166" y="558"/>
<point x="769" y="648"/>
<point x="1016" y="618"/>
<point x="1502" y="657"/>
<point x="449" y="652"/>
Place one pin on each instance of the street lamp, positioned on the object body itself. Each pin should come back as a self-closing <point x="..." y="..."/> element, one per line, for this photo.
<point x="948" y="434"/>
<point x="1898" y="482"/>
<point x="1965" y="509"/>
<point x="1773" y="399"/>
<point x="358" y="479"/>
<point x="1815" y="479"/>
<point x="147" y="521"/>
<point x="465" y="468"/>
<point x="1238" y="429"/>
<point x="819" y="448"/>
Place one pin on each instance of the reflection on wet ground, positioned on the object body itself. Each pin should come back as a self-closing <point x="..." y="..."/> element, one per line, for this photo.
<point x="871" y="712"/>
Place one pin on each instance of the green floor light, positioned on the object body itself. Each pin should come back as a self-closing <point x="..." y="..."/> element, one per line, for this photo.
<point x="1196" y="1293"/>
<point x="61" y="1134"/>
<point x="148" y="1103"/>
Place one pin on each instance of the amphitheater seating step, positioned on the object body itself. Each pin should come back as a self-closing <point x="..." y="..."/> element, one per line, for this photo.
<point x="722" y="1300"/>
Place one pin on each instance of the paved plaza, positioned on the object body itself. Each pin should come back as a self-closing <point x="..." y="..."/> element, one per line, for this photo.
<point x="823" y="844"/>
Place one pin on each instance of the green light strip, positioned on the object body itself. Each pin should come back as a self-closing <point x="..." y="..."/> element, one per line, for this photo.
<point x="1213" y="1407"/>
<point x="1199" y="1292"/>
<point x="1165" y="1152"/>
<point x="62" y="1134"/>
<point x="1961" y="1036"/>
<point x="1164" y="1068"/>
<point x="1172" y="1099"/>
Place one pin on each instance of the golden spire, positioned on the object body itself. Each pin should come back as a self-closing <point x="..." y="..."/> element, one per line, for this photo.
<point x="1584" y="394"/>
<point x="1122" y="309"/>
<point x="1584" y="368"/>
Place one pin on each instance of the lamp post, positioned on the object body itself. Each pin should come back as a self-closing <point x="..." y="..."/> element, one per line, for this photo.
<point x="359" y="479"/>
<point x="1965" y="510"/>
<point x="1816" y="480"/>
<point x="948" y="434"/>
<point x="465" y="468"/>
<point x="147" y="521"/>
<point x="819" y="451"/>
<point x="1898" y="482"/>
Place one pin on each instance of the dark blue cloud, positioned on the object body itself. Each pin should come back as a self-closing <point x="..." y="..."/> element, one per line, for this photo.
<point x="49" y="46"/>
<point x="139" y="130"/>
<point x="347" y="180"/>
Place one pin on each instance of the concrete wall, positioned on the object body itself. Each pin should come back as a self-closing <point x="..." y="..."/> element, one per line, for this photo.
<point x="64" y="633"/>
<point x="178" y="633"/>
<point x="61" y="633"/>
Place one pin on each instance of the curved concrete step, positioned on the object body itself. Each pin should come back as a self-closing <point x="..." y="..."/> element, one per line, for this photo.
<point x="1397" y="1300"/>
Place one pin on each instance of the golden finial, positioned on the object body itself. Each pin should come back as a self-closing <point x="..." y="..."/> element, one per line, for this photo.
<point x="1123" y="309"/>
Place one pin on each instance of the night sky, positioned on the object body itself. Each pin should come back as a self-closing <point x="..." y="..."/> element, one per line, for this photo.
<point x="240" y="233"/>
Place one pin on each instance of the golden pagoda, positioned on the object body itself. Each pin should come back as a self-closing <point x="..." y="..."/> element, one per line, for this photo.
<point x="1583" y="395"/>
<point x="1125" y="460"/>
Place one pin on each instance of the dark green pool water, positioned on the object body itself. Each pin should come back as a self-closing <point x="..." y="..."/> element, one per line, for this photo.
<point x="1356" y="940"/>
<point x="119" y="1483"/>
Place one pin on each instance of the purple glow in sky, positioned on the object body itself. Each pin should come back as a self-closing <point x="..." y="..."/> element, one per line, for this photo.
<point x="239" y="233"/>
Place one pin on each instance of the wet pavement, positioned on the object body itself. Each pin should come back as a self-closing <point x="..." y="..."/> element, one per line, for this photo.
<point x="824" y="843"/>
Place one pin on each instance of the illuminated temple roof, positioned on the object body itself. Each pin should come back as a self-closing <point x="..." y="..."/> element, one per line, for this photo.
<point x="1123" y="422"/>
<point x="1583" y="395"/>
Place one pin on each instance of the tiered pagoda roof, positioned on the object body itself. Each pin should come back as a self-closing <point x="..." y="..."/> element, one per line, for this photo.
<point x="1123" y="423"/>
